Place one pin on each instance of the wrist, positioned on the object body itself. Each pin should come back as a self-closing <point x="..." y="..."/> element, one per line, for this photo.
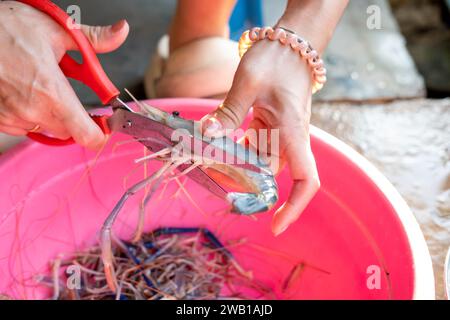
<point x="314" y="20"/>
<point x="305" y="28"/>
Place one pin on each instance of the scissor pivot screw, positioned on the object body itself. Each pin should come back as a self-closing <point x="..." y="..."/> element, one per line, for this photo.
<point x="129" y="124"/>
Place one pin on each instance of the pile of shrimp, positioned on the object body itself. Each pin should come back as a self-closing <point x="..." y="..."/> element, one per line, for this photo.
<point x="166" y="264"/>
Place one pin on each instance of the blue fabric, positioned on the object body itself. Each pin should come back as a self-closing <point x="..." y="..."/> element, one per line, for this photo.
<point x="246" y="14"/>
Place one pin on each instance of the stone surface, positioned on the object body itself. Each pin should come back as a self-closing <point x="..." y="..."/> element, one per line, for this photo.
<point x="369" y="64"/>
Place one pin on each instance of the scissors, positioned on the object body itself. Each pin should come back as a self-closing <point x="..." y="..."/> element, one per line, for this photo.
<point x="146" y="130"/>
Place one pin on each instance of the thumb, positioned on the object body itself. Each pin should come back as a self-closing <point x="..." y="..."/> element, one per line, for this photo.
<point x="230" y="114"/>
<point x="106" y="38"/>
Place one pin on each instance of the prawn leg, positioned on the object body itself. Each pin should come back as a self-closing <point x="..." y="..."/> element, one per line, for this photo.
<point x="143" y="205"/>
<point x="105" y="236"/>
<point x="140" y="228"/>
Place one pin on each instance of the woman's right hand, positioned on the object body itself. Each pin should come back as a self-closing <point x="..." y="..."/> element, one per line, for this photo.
<point x="33" y="89"/>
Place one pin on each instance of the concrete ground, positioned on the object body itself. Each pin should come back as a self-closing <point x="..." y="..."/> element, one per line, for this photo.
<point x="408" y="140"/>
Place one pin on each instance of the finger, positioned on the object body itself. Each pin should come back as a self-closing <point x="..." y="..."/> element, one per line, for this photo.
<point x="13" y="131"/>
<point x="55" y="128"/>
<point x="105" y="38"/>
<point x="232" y="112"/>
<point x="44" y="120"/>
<point x="14" y="121"/>
<point x="306" y="183"/>
<point x="253" y="136"/>
<point x="72" y="116"/>
<point x="49" y="124"/>
<point x="265" y="141"/>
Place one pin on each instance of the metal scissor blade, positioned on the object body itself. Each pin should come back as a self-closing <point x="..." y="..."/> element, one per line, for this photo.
<point x="203" y="179"/>
<point x="235" y="154"/>
<point x="155" y="136"/>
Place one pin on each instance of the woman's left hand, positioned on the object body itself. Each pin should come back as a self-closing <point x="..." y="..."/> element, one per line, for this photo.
<point x="277" y="83"/>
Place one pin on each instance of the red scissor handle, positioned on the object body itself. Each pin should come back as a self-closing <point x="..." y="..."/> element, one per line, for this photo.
<point x="90" y="71"/>
<point x="44" y="139"/>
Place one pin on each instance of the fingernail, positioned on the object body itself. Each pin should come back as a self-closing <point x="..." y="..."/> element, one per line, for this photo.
<point x="211" y="127"/>
<point x="280" y="231"/>
<point x="118" y="25"/>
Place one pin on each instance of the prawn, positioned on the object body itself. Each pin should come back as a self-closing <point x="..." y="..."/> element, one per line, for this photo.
<point x="261" y="191"/>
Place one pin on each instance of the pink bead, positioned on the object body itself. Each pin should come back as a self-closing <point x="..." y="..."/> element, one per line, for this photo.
<point x="321" y="79"/>
<point x="295" y="45"/>
<point x="276" y="34"/>
<point x="313" y="55"/>
<point x="317" y="64"/>
<point x="283" y="40"/>
<point x="322" y="71"/>
<point x="303" y="48"/>
<point x="254" y="34"/>
<point x="291" y="40"/>
<point x="281" y="36"/>
<point x="263" y="32"/>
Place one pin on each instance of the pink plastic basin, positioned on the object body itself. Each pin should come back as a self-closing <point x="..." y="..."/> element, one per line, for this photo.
<point x="357" y="225"/>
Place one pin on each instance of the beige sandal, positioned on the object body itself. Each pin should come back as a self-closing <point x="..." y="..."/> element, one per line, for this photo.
<point x="203" y="68"/>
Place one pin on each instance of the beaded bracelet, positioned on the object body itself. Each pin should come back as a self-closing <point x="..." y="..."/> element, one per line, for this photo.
<point x="298" y="44"/>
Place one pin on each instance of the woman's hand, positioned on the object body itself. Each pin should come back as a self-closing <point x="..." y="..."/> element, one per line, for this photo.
<point x="277" y="83"/>
<point x="33" y="89"/>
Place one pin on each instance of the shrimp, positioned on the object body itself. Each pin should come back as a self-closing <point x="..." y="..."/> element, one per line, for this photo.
<point x="261" y="191"/>
<point x="262" y="187"/>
